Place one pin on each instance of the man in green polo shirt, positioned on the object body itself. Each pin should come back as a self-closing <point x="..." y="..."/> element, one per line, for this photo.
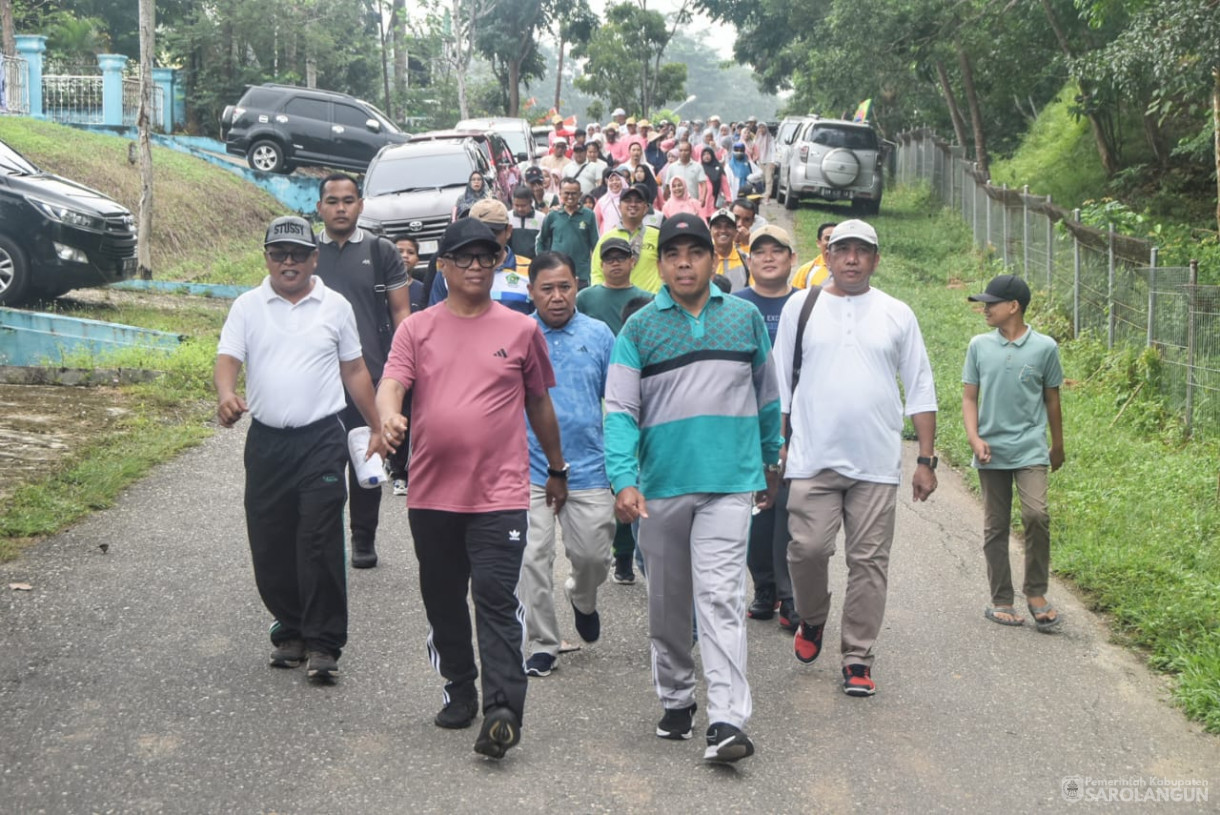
<point x="633" y="206"/>
<point x="1011" y="393"/>
<point x="605" y="300"/>
<point x="571" y="229"/>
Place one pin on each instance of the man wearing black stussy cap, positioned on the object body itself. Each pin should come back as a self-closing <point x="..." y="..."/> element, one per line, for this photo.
<point x="476" y="371"/>
<point x="299" y="344"/>
<point x="690" y="469"/>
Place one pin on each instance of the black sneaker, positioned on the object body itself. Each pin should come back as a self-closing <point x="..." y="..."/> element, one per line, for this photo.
<point x="676" y="723"/>
<point x="764" y="605"/>
<point x="458" y="713"/>
<point x="858" y="680"/>
<point x="623" y="573"/>
<point x="364" y="554"/>
<point x="288" y="654"/>
<point x="726" y="744"/>
<point x="808" y="642"/>
<point x="501" y="730"/>
<point x="787" y="615"/>
<point x="322" y="667"/>
<point x="540" y="664"/>
<point x="589" y="626"/>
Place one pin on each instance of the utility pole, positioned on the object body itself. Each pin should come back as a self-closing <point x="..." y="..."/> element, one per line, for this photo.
<point x="148" y="15"/>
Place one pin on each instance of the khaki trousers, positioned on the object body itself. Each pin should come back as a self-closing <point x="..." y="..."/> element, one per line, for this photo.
<point x="817" y="508"/>
<point x="996" y="486"/>
<point x="587" y="519"/>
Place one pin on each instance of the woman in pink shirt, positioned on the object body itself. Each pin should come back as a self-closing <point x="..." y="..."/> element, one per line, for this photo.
<point x="716" y="193"/>
<point x="606" y="211"/>
<point x="679" y="201"/>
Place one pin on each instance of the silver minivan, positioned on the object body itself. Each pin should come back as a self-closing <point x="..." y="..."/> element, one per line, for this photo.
<point x="785" y="134"/>
<point x="834" y="160"/>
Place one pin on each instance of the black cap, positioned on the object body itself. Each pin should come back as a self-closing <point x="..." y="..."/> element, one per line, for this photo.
<point x="639" y="189"/>
<point x="465" y="231"/>
<point x="1003" y="288"/>
<point x="534" y="174"/>
<point x="615" y="245"/>
<point x="682" y="225"/>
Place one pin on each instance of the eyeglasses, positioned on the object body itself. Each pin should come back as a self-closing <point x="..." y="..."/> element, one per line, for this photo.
<point x="298" y="255"/>
<point x="465" y="261"/>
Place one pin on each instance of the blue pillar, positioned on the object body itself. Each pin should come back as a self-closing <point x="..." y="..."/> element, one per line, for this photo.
<point x="164" y="79"/>
<point x="31" y="47"/>
<point x="112" y="87"/>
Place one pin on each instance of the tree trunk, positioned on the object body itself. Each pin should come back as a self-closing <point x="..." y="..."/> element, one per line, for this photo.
<point x="1216" y="130"/>
<point x="8" y="39"/>
<point x="514" y="88"/>
<point x="144" y="123"/>
<point x="385" y="63"/>
<point x="959" y="124"/>
<point x="559" y="74"/>
<point x="976" y="115"/>
<point x="398" y="37"/>
<point x="1105" y="147"/>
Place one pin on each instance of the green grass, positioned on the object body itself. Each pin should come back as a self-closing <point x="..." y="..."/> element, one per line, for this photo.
<point x="1134" y="513"/>
<point x="205" y="216"/>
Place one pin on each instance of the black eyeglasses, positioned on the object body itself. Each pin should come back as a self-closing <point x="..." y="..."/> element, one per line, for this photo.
<point x="298" y="255"/>
<point x="465" y="261"/>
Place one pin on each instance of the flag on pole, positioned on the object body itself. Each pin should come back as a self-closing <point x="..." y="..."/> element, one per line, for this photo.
<point x="862" y="112"/>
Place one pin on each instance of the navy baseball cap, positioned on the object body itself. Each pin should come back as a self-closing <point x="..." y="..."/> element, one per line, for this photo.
<point x="615" y="245"/>
<point x="639" y="189"/>
<point x="1003" y="288"/>
<point x="464" y="232"/>
<point x="684" y="225"/>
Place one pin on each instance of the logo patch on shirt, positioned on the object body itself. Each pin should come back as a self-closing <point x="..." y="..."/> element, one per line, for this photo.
<point x="514" y="535"/>
<point x="501" y="353"/>
<point x="366" y="262"/>
<point x="513" y="278"/>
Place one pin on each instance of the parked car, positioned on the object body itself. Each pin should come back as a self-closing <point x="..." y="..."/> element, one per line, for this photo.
<point x="281" y="127"/>
<point x="410" y="189"/>
<point x="835" y="160"/>
<point x="785" y="134"/>
<point x="494" y="149"/>
<point x="516" y="132"/>
<point x="542" y="139"/>
<point x="57" y="235"/>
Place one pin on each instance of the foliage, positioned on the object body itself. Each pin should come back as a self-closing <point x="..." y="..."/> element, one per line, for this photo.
<point x="1153" y="572"/>
<point x="509" y="39"/>
<point x="624" y="61"/>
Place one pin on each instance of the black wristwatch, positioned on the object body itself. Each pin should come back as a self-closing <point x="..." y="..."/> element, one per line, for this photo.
<point x="931" y="462"/>
<point x="561" y="473"/>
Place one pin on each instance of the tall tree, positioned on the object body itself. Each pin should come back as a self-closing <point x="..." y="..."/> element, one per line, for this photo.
<point x="574" y="26"/>
<point x="8" y="32"/>
<point x="624" y="60"/>
<point x="144" y="123"/>
<point x="398" y="39"/>
<point x="509" y="40"/>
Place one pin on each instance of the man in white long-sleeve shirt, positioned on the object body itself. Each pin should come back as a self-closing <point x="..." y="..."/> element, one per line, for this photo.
<point x="844" y="455"/>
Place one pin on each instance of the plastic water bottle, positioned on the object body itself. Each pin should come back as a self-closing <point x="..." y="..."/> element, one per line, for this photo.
<point x="369" y="472"/>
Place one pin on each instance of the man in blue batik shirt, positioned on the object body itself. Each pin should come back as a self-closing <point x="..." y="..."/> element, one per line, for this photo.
<point x="580" y="349"/>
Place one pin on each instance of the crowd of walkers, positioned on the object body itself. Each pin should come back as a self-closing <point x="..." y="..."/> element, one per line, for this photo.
<point x="630" y="356"/>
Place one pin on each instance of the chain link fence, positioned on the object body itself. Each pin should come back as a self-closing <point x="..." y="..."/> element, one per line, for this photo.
<point x="1110" y="284"/>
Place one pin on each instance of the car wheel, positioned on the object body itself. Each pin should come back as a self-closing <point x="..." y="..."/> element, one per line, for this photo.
<point x="780" y="196"/>
<point x="791" y="199"/>
<point x="14" y="273"/>
<point x="266" y="156"/>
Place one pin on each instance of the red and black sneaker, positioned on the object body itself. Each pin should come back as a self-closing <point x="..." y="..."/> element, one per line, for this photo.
<point x="788" y="618"/>
<point x="808" y="642"/>
<point x="857" y="682"/>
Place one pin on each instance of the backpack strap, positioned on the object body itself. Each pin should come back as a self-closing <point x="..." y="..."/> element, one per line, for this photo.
<point x="806" y="310"/>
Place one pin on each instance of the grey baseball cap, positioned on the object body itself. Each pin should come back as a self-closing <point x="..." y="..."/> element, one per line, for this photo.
<point x="290" y="229"/>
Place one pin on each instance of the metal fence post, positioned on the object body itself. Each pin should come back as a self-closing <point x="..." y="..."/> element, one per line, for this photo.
<point x="1075" y="278"/>
<point x="1050" y="247"/>
<point x="1152" y="258"/>
<point x="1025" y="232"/>
<point x="1190" y="345"/>
<point x="1110" y="322"/>
<point x="987" y="202"/>
<point x="1004" y="233"/>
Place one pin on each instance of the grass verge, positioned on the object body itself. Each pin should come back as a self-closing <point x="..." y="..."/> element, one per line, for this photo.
<point x="1134" y="513"/>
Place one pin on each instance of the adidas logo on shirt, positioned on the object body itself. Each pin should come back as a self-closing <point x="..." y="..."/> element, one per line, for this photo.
<point x="514" y="535"/>
<point x="501" y="353"/>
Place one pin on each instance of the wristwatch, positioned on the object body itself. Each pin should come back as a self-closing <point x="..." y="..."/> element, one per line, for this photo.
<point x="931" y="462"/>
<point x="560" y="473"/>
<point x="774" y="468"/>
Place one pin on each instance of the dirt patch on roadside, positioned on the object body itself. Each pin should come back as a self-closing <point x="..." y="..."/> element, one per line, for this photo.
<point x="42" y="426"/>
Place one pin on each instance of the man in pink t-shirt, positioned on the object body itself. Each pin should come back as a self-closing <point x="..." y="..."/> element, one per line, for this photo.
<point x="476" y="370"/>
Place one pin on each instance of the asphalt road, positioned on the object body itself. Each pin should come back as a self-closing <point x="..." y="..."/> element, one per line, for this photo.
<point x="135" y="680"/>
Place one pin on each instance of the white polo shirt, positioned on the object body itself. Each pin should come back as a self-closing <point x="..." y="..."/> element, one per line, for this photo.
<point x="291" y="352"/>
<point x="847" y="411"/>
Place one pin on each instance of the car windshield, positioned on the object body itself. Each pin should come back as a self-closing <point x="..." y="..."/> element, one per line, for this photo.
<point x="387" y="126"/>
<point x="391" y="175"/>
<point x="12" y="162"/>
<point x="851" y="138"/>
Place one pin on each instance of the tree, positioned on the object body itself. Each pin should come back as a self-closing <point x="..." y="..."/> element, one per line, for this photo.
<point x="509" y="40"/>
<point x="143" y="123"/>
<point x="574" y="24"/>
<point x="624" y="60"/>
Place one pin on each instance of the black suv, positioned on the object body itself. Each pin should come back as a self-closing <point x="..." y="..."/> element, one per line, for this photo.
<point x="56" y="235"/>
<point x="281" y="127"/>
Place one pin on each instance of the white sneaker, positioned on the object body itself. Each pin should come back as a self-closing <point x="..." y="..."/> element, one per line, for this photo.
<point x="400" y="486"/>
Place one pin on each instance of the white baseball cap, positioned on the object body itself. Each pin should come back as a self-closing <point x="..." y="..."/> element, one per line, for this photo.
<point x="856" y="229"/>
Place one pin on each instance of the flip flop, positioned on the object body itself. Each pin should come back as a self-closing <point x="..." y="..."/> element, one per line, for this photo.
<point x="992" y="613"/>
<point x="1045" y="626"/>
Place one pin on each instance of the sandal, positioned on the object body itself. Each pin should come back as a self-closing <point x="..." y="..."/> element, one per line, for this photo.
<point x="992" y="613"/>
<point x="1045" y="626"/>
